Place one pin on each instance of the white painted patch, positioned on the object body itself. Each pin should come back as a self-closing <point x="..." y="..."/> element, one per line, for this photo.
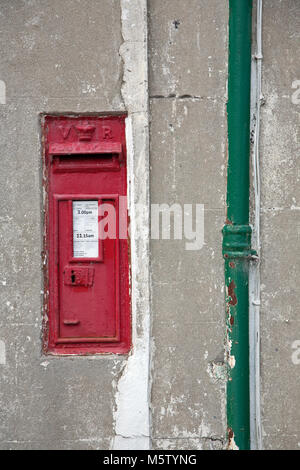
<point x="45" y="364"/>
<point x="2" y="353"/>
<point x="231" y="362"/>
<point x="88" y="88"/>
<point x="136" y="443"/>
<point x="232" y="445"/>
<point x="132" y="415"/>
<point x="296" y="353"/>
<point x="2" y="92"/>
<point x="296" y="95"/>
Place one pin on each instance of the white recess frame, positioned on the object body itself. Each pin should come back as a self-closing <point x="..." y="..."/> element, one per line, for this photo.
<point x="132" y="410"/>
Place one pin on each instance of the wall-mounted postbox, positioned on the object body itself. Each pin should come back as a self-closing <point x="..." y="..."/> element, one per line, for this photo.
<point x="87" y="306"/>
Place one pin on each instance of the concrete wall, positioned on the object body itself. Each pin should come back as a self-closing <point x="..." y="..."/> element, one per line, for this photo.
<point x="91" y="56"/>
<point x="280" y="228"/>
<point x="188" y="73"/>
<point x="70" y="56"/>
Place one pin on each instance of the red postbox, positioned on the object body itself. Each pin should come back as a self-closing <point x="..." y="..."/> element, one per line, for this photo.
<point x="87" y="305"/>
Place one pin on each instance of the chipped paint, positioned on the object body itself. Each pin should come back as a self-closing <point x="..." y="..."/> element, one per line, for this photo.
<point x="231" y="442"/>
<point x="231" y="362"/>
<point x="217" y="371"/>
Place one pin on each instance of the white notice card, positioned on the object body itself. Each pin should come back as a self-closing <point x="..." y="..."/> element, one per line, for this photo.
<point x="85" y="229"/>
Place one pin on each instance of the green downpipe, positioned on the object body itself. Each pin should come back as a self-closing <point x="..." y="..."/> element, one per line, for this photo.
<point x="237" y="232"/>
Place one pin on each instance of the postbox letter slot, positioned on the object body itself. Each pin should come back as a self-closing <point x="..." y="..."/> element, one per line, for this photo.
<point x="87" y="162"/>
<point x="71" y="322"/>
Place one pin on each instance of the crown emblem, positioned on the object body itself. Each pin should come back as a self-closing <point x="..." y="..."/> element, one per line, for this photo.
<point x="85" y="131"/>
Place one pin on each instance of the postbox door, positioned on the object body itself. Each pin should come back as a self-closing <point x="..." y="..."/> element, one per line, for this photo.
<point x="87" y="274"/>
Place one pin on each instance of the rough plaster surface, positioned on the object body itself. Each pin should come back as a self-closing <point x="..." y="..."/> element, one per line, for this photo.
<point x="187" y="444"/>
<point x="60" y="51"/>
<point x="132" y="416"/>
<point x="280" y="226"/>
<point x="188" y="70"/>
<point x="187" y="45"/>
<point x="103" y="402"/>
<point x="55" y="402"/>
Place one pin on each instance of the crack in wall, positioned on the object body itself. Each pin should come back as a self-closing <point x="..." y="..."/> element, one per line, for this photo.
<point x="184" y="97"/>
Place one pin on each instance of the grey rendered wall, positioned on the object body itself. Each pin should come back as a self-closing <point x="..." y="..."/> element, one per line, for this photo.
<point x="55" y="56"/>
<point x="280" y="226"/>
<point x="187" y="79"/>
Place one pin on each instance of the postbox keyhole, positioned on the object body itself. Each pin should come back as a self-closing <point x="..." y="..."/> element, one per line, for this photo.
<point x="73" y="277"/>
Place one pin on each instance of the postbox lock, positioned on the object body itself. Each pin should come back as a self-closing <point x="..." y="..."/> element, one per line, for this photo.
<point x="78" y="276"/>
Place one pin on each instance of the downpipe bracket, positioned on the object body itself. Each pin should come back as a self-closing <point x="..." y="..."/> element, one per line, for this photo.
<point x="237" y="242"/>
